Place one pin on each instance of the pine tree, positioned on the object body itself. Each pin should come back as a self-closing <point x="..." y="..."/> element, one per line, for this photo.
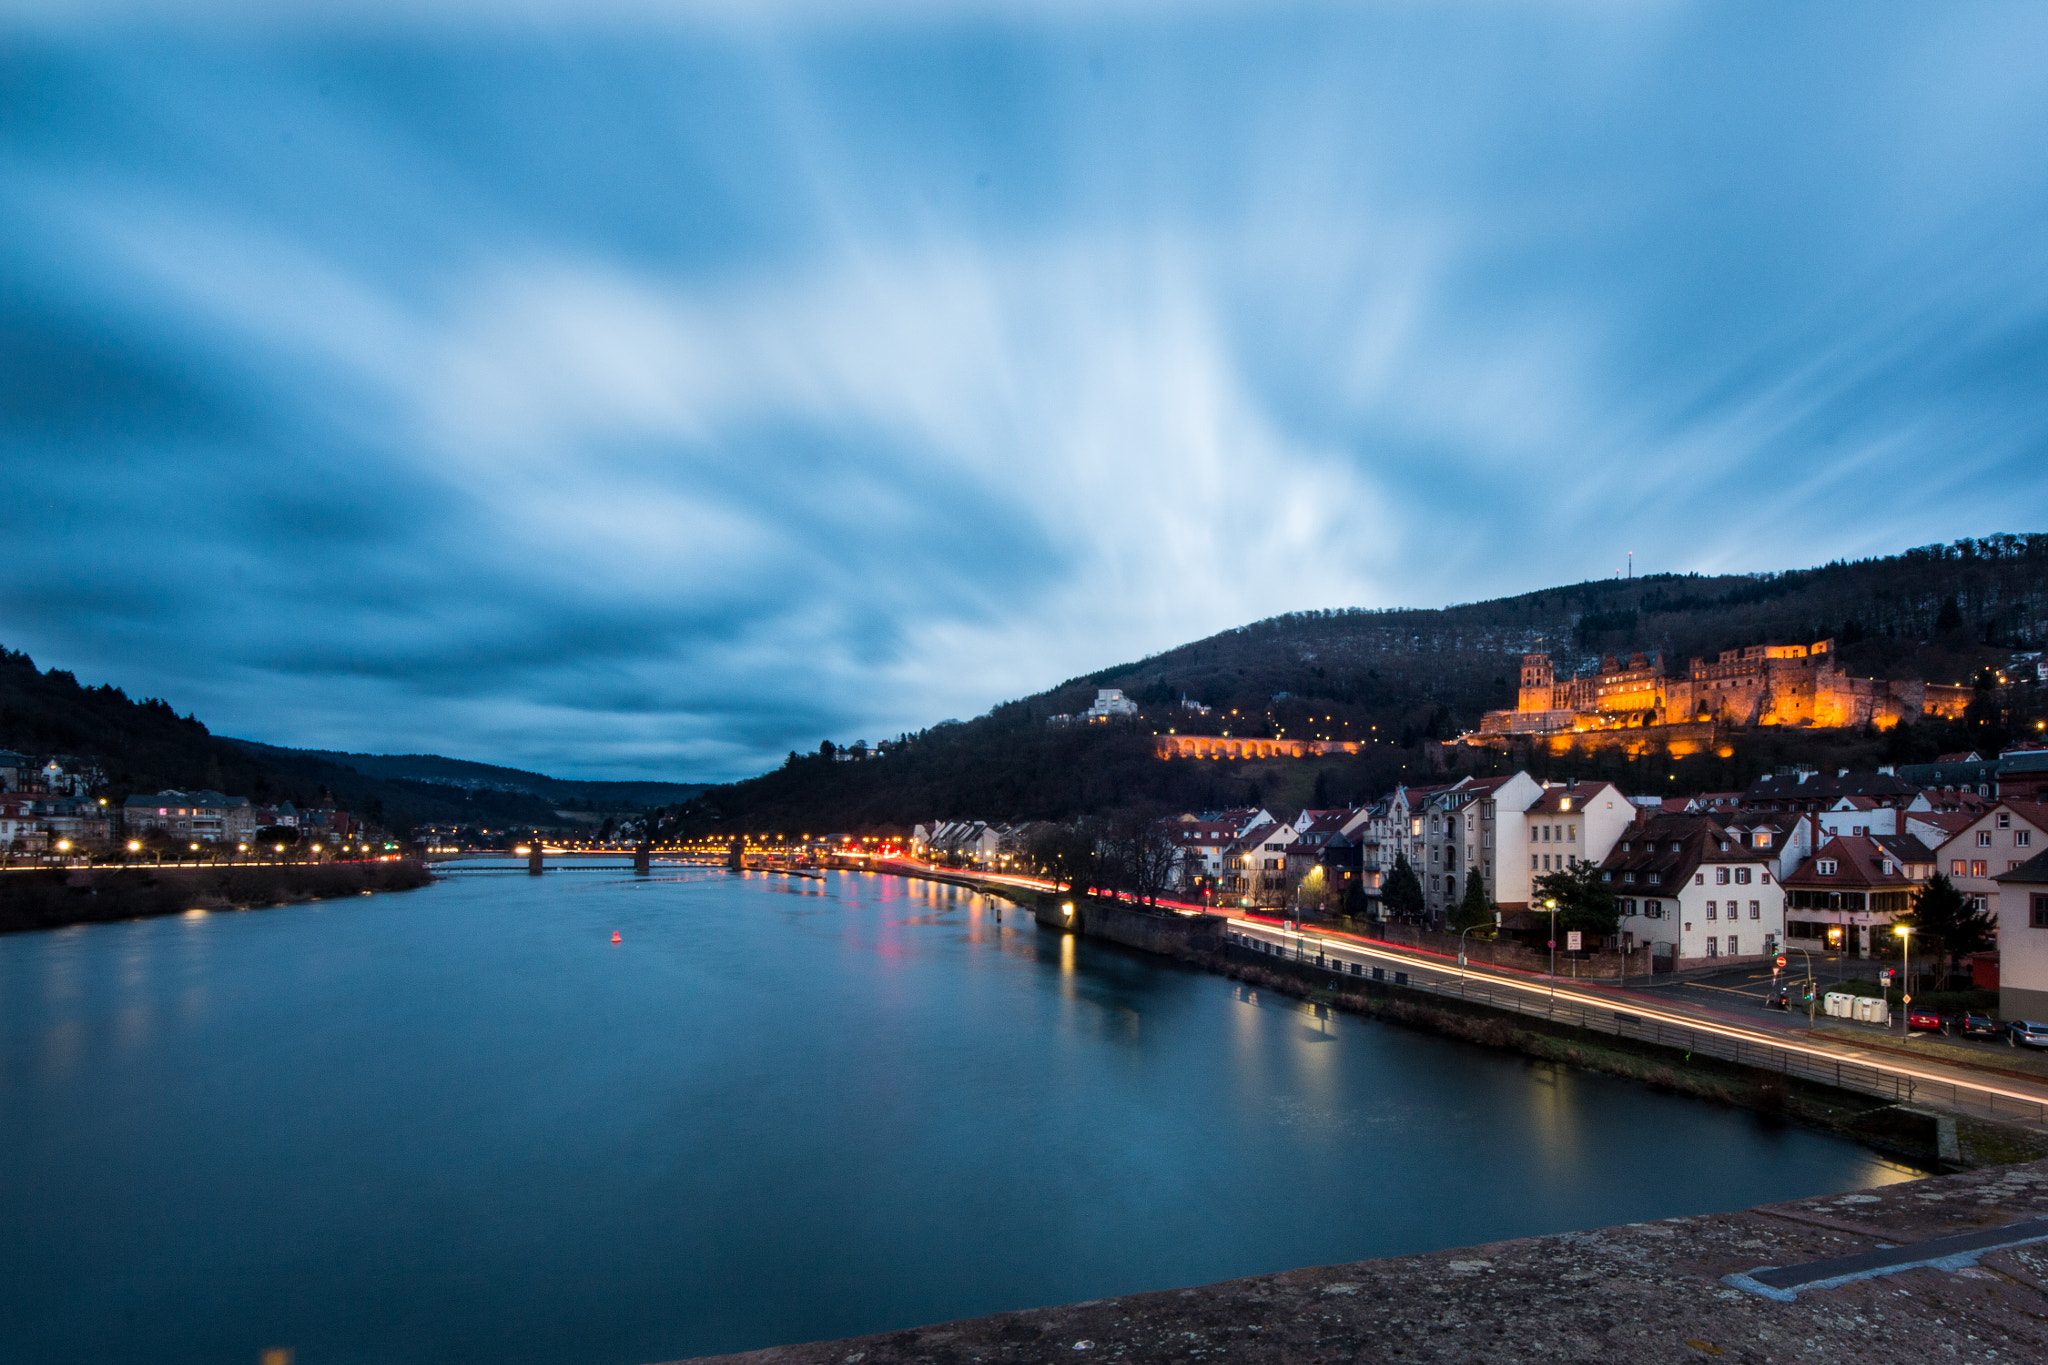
<point x="1402" y="895"/>
<point x="1476" y="908"/>
<point x="1945" y="927"/>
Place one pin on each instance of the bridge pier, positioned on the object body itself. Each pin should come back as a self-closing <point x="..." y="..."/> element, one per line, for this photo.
<point x="643" y="854"/>
<point x="534" y="857"/>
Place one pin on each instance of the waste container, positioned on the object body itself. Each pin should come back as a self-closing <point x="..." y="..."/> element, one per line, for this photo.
<point x="1838" y="1005"/>
<point x="1870" y="1009"/>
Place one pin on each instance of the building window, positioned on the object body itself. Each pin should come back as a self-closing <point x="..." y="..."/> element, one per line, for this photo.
<point x="2004" y="821"/>
<point x="1571" y="833"/>
<point x="1713" y="910"/>
<point x="1713" y="946"/>
<point x="2039" y="919"/>
<point x="1983" y="838"/>
<point x="1959" y="867"/>
<point x="1980" y="868"/>
<point x="1826" y="867"/>
<point x="1721" y="876"/>
<point x="1742" y="876"/>
<point x="1756" y="910"/>
<point x="1653" y="909"/>
<point x="1733" y="951"/>
<point x="1532" y="862"/>
<point x="2022" y="838"/>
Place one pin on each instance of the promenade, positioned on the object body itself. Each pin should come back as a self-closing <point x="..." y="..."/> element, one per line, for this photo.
<point x="1881" y="1064"/>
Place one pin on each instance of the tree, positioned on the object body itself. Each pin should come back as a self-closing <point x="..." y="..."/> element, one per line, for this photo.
<point x="1320" y="798"/>
<point x="1065" y="853"/>
<point x="1584" y="902"/>
<point x="1945" y="927"/>
<point x="1402" y="895"/>
<point x="1476" y="908"/>
<point x="1950" y="617"/>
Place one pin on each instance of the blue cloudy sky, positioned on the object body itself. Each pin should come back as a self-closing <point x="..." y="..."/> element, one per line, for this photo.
<point x="624" y="388"/>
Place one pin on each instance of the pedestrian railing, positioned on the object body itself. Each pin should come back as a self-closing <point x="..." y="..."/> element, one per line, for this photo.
<point x="1842" y="1073"/>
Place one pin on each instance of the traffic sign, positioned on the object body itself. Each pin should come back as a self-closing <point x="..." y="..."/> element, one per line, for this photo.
<point x="1571" y="940"/>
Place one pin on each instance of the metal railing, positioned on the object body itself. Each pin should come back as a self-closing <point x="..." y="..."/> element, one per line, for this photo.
<point x="1842" y="1073"/>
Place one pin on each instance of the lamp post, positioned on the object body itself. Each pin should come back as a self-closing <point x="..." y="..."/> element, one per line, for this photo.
<point x="1461" y="947"/>
<point x="1905" y="933"/>
<point x="1551" y="905"/>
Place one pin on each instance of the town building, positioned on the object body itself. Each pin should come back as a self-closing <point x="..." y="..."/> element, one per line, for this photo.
<point x="206" y="817"/>
<point x="1693" y="893"/>
<point x="2022" y="906"/>
<point x="1995" y="842"/>
<point x="1324" y="862"/>
<point x="1255" y="867"/>
<point x="1847" y="895"/>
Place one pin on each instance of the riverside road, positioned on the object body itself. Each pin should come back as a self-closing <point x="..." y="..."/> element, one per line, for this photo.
<point x="1726" y="1016"/>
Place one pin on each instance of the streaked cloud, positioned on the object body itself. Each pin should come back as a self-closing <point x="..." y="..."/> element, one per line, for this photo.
<point x="658" y="394"/>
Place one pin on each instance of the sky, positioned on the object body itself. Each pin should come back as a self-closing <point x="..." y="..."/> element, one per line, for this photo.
<point x="613" y="388"/>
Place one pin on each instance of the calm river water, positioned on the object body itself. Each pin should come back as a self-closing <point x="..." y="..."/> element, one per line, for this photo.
<point x="461" y="1123"/>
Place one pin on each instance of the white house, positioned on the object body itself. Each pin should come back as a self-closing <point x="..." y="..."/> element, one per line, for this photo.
<point x="2023" y="940"/>
<point x="1692" y="889"/>
<point x="1997" y="841"/>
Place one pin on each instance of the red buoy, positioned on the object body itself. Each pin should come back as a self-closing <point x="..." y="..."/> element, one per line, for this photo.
<point x="615" y="936"/>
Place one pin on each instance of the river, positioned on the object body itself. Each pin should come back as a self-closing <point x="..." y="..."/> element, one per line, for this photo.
<point x="462" y="1123"/>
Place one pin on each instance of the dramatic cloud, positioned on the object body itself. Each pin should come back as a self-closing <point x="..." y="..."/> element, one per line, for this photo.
<point x="637" y="389"/>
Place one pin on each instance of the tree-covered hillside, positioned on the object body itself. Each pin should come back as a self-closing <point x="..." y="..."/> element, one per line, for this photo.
<point x="146" y="746"/>
<point x="1396" y="680"/>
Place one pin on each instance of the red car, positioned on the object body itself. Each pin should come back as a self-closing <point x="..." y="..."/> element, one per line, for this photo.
<point x="1924" y="1019"/>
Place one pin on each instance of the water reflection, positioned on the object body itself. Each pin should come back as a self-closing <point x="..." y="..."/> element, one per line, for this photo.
<point x="462" y="1122"/>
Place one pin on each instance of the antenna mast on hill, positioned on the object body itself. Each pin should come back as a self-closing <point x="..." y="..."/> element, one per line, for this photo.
<point x="1631" y="564"/>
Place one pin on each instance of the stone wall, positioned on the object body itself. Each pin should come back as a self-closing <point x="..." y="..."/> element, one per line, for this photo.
<point x="1153" y="932"/>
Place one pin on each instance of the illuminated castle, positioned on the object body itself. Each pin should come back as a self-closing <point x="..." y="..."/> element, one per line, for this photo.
<point x="1761" y="685"/>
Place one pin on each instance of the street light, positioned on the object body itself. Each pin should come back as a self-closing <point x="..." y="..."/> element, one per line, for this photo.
<point x="1905" y="933"/>
<point x="1551" y="905"/>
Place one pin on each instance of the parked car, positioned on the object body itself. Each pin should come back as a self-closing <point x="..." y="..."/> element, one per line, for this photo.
<point x="1926" y="1020"/>
<point x="1971" y="1024"/>
<point x="2026" y="1033"/>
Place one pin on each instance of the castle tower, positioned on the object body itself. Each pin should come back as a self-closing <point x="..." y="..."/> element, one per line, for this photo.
<point x="1539" y="680"/>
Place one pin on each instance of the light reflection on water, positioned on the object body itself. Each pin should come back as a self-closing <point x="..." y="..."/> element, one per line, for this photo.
<point x="462" y="1123"/>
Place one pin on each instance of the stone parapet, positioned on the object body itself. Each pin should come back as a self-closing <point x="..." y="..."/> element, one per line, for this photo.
<point x="1633" y="1295"/>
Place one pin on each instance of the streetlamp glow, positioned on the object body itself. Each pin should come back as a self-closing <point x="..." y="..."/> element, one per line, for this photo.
<point x="1550" y="904"/>
<point x="1905" y="933"/>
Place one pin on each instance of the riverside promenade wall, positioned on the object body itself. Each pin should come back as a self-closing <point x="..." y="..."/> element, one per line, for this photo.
<point x="52" y="898"/>
<point x="1635" y="1295"/>
<point x="1151" y="931"/>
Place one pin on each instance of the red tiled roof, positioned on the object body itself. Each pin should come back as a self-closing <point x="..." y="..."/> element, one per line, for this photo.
<point x="1859" y="862"/>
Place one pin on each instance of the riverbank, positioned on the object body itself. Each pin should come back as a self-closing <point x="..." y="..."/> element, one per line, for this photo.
<point x="1933" y="1141"/>
<point x="1631" y="1295"/>
<point x="54" y="898"/>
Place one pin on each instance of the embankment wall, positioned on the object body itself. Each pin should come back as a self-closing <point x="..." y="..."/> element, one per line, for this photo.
<point x="52" y="898"/>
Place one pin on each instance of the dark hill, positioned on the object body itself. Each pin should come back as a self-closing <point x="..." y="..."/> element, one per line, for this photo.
<point x="146" y="746"/>
<point x="1399" y="679"/>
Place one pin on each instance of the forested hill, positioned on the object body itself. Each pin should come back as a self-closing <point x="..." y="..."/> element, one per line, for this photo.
<point x="472" y="777"/>
<point x="1401" y="677"/>
<point x="146" y="746"/>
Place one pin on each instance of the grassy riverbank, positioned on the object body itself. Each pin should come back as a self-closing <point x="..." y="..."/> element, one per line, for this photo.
<point x="53" y="898"/>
